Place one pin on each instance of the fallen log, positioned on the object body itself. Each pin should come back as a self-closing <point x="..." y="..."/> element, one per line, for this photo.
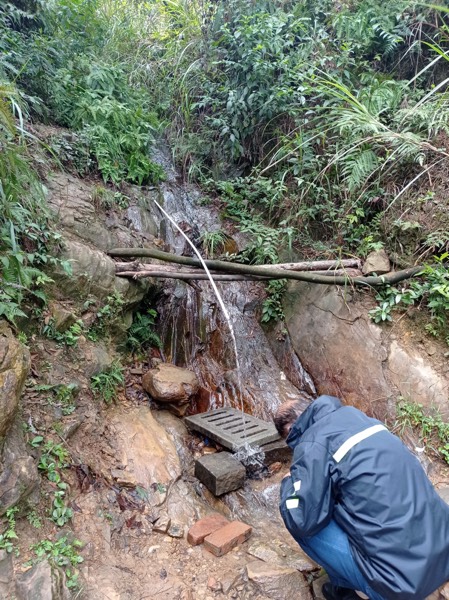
<point x="271" y="272"/>
<point x="140" y="271"/>
<point x="312" y="265"/>
<point x="188" y="276"/>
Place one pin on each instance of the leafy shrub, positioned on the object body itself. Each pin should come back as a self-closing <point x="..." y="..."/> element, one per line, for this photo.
<point x="432" y="430"/>
<point x="432" y="291"/>
<point x="106" y="385"/>
<point x="7" y="537"/>
<point x="61" y="553"/>
<point x="142" y="334"/>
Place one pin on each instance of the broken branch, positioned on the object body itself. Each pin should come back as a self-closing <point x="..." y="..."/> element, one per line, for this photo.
<point x="271" y="272"/>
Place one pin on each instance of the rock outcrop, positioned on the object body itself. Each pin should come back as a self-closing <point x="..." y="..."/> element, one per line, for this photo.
<point x="366" y="365"/>
<point x="18" y="473"/>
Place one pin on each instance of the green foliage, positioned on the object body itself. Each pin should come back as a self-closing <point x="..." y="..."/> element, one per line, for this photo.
<point x="63" y="554"/>
<point x="432" y="291"/>
<point x="7" y="537"/>
<point x="34" y="519"/>
<point x="213" y="242"/>
<point x="241" y="198"/>
<point x="272" y="309"/>
<point x="61" y="395"/>
<point x="106" y="385"/>
<point x="54" y="458"/>
<point x="433" y="431"/>
<point x="26" y="240"/>
<point x="106" y="199"/>
<point x="142" y="334"/>
<point x="69" y="337"/>
<point x="106" y="316"/>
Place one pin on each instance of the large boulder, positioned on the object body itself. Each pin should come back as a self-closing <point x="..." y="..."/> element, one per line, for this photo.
<point x="18" y="473"/>
<point x="14" y="367"/>
<point x="78" y="210"/>
<point x="93" y="272"/>
<point x="168" y="383"/>
<point x="367" y="365"/>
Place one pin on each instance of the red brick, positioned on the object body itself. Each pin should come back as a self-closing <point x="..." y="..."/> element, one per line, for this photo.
<point x="205" y="527"/>
<point x="224" y="539"/>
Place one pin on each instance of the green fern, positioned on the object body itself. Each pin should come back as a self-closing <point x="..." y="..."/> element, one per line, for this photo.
<point x="358" y="167"/>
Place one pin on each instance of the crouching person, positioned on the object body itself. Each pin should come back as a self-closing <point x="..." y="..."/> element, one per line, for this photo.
<point x="360" y="504"/>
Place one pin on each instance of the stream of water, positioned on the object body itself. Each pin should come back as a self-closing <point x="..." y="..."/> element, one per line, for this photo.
<point x="219" y="338"/>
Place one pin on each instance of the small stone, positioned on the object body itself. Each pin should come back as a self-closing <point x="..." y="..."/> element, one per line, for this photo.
<point x="317" y="586"/>
<point x="124" y="478"/>
<point x="376" y="262"/>
<point x="162" y="524"/>
<point x="176" y="531"/>
<point x="209" y="450"/>
<point x="225" y="539"/>
<point x="275" y="468"/>
<point x="213" y="584"/>
<point x="205" y="527"/>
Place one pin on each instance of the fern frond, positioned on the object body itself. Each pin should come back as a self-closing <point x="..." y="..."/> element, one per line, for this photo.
<point x="358" y="167"/>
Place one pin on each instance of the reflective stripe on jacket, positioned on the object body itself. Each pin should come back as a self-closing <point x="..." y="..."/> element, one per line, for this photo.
<point x="350" y="468"/>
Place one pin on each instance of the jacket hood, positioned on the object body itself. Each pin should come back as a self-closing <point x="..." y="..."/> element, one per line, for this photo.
<point x="321" y="407"/>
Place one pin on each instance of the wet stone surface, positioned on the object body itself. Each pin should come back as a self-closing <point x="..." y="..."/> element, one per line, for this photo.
<point x="220" y="472"/>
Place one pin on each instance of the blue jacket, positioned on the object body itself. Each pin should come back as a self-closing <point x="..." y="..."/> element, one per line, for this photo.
<point x="350" y="468"/>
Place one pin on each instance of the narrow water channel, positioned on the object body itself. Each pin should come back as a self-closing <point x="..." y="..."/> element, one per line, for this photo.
<point x="194" y="330"/>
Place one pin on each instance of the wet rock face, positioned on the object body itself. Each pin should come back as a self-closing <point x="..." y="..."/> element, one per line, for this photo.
<point x="167" y="383"/>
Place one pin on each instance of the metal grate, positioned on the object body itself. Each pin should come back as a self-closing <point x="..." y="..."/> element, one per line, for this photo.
<point x="232" y="428"/>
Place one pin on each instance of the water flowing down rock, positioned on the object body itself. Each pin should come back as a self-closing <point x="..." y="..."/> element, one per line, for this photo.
<point x="196" y="333"/>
